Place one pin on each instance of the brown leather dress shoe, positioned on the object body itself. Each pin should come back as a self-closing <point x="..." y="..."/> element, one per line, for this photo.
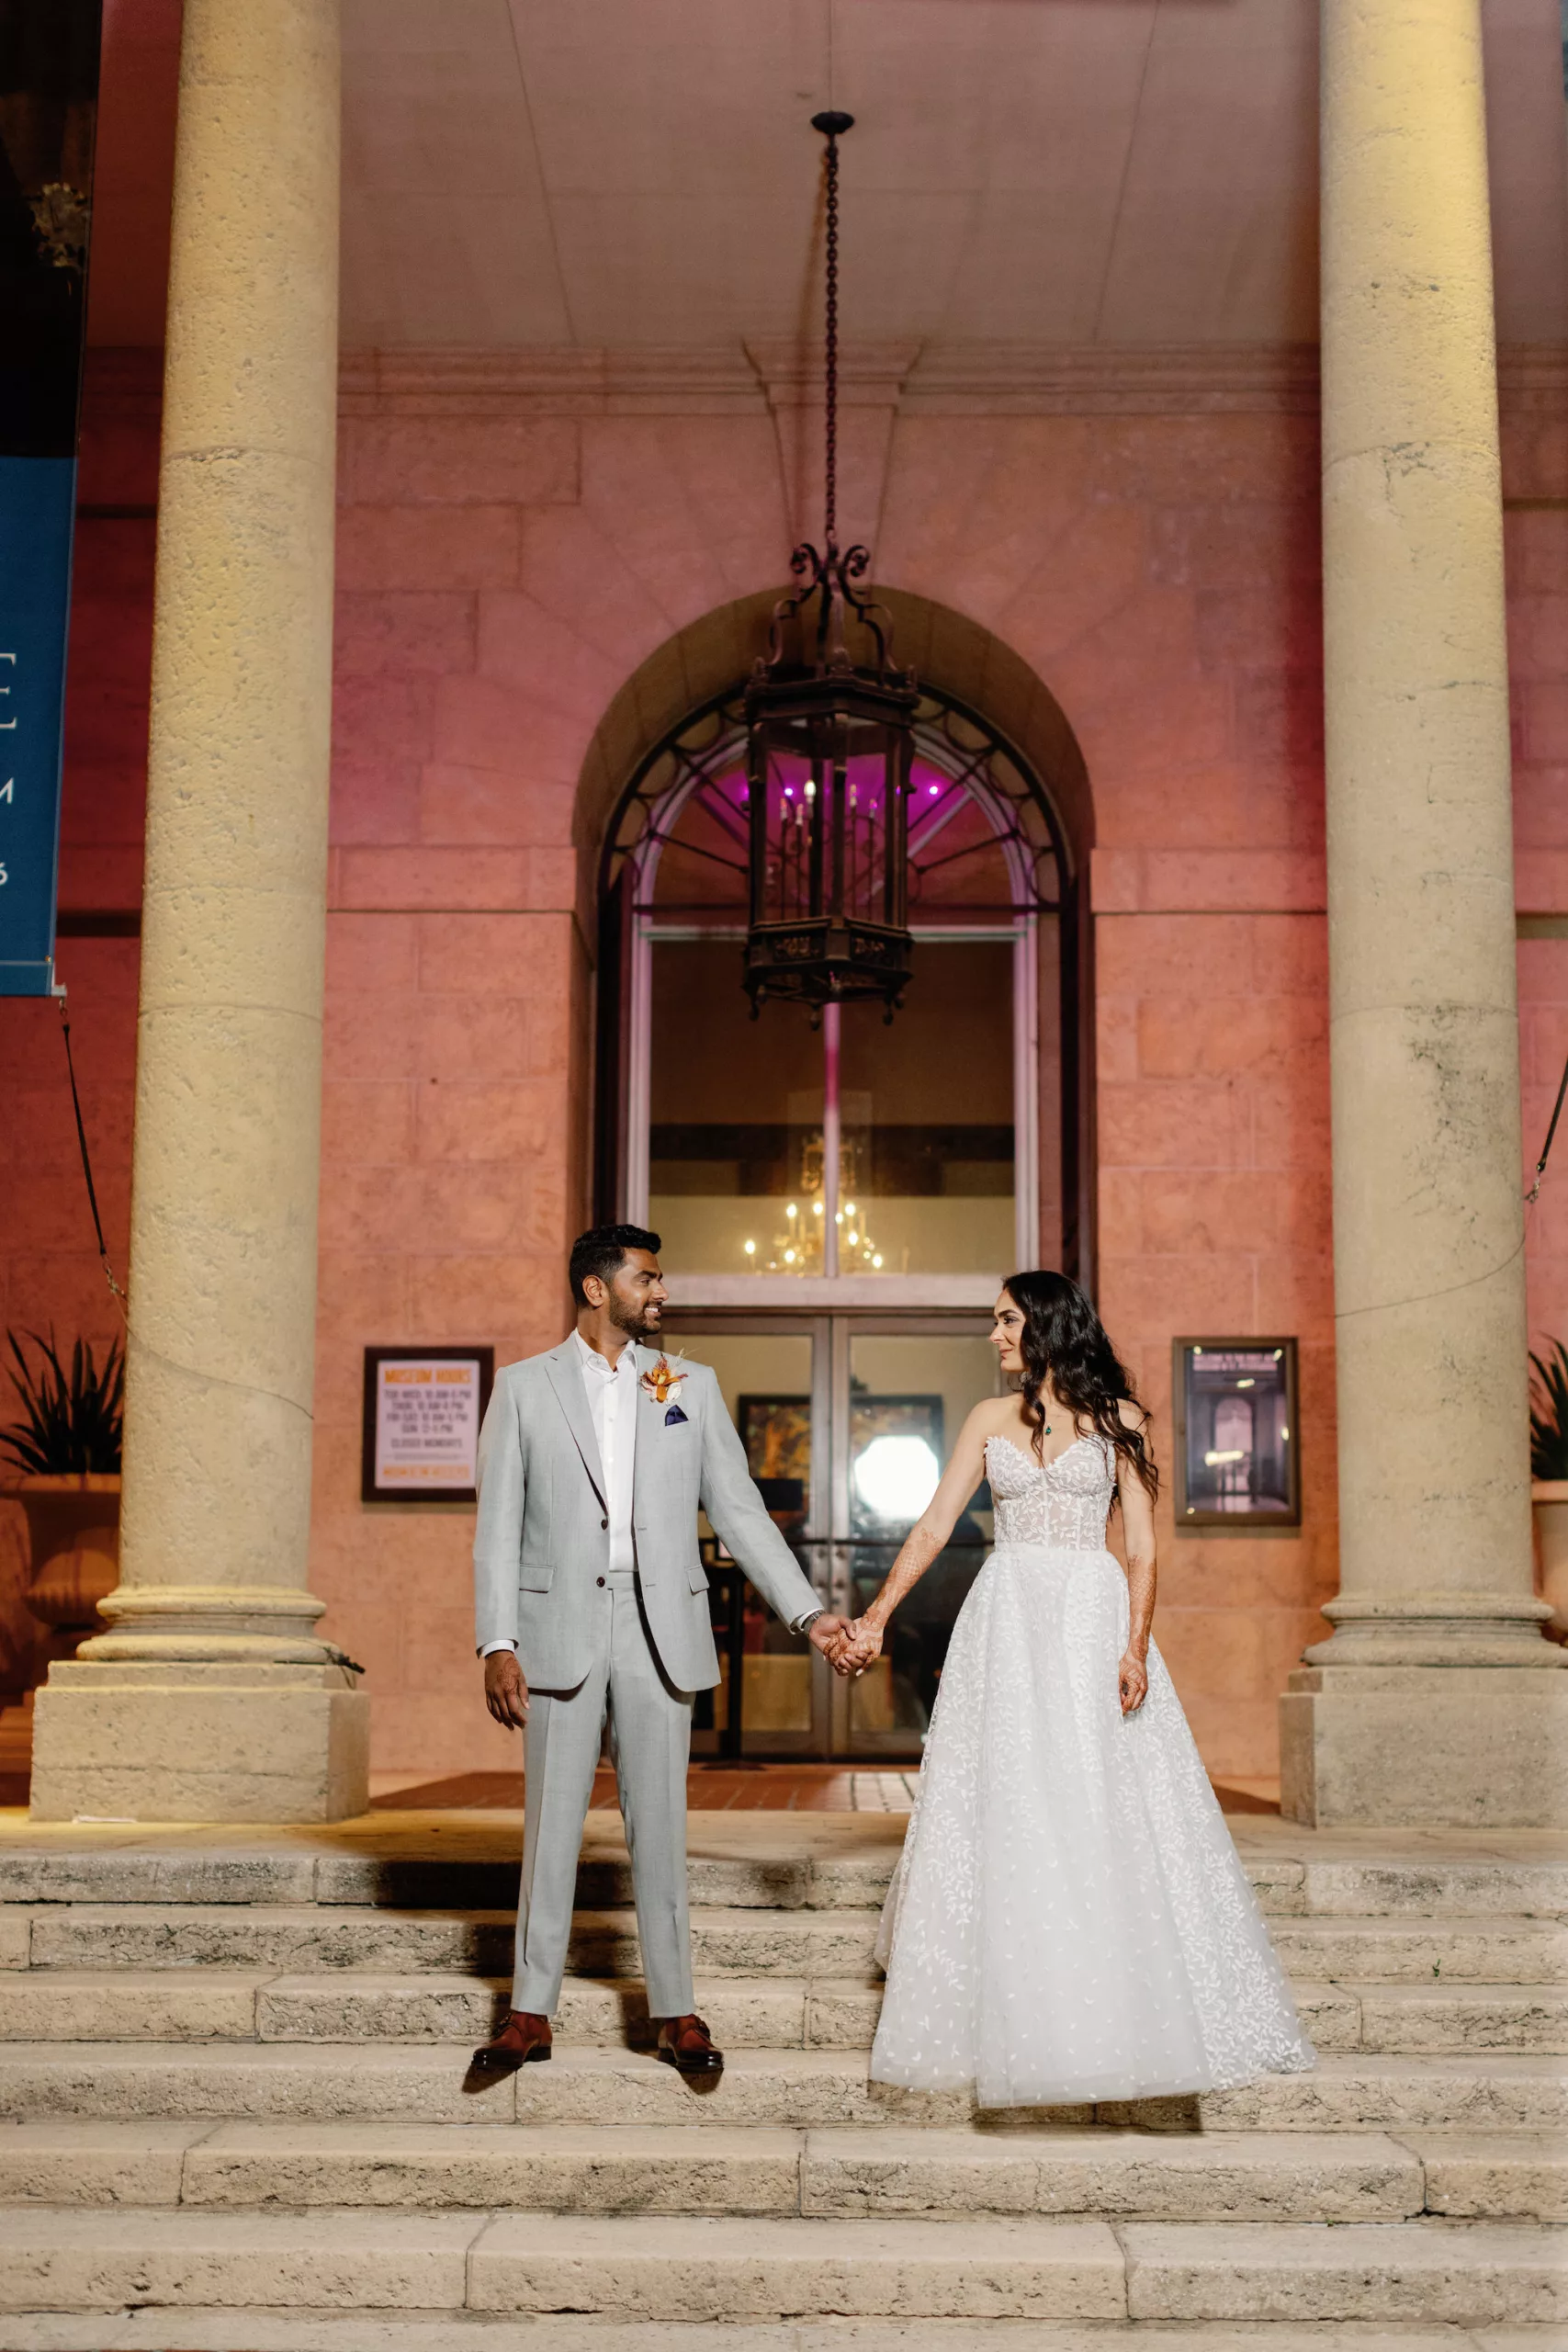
<point x="524" y="2041"/>
<point x="686" y="2043"/>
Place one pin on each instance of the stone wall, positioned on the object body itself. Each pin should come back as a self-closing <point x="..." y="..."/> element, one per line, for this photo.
<point x="509" y="553"/>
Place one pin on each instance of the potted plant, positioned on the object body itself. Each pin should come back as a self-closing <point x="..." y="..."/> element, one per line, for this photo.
<point x="64" y="1454"/>
<point x="1548" y="1479"/>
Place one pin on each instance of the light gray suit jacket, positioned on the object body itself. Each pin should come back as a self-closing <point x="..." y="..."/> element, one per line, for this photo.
<point x="542" y="1536"/>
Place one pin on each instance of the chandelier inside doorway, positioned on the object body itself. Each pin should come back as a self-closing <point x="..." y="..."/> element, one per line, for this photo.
<point x="799" y="1246"/>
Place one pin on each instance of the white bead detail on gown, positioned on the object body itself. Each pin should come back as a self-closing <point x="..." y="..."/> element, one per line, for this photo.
<point x="1069" y="1920"/>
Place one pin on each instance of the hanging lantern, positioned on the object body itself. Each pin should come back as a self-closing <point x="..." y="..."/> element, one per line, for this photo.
<point x="829" y="750"/>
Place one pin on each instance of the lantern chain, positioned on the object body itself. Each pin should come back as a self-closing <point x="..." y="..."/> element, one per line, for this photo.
<point x="830" y="470"/>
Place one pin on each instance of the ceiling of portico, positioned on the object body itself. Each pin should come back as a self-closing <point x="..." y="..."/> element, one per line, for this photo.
<point x="639" y="173"/>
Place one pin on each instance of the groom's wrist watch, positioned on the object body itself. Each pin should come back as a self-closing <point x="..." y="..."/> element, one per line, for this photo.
<point x="804" y="1625"/>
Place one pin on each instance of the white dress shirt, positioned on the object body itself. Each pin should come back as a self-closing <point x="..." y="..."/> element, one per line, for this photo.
<point x="612" y="1402"/>
<point x="611" y="1391"/>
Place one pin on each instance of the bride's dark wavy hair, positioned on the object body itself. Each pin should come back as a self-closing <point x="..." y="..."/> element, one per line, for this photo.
<point x="1065" y="1340"/>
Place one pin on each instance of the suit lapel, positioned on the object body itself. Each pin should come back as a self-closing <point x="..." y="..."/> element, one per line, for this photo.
<point x="566" y="1379"/>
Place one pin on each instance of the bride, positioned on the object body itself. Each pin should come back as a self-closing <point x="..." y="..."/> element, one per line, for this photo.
<point x="1069" y="1920"/>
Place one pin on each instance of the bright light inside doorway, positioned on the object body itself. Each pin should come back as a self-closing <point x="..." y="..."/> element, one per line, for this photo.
<point x="896" y="1477"/>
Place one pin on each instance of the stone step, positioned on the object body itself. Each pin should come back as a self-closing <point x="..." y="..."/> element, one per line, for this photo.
<point x="789" y="2089"/>
<point x="801" y="1943"/>
<point x="802" y="1880"/>
<point x="1297" y="2176"/>
<point x="275" y="1937"/>
<point x="647" y="2268"/>
<point x="244" y="2328"/>
<point x="677" y="2168"/>
<point x="130" y="2004"/>
<point x="1366" y="1884"/>
<point x="52" y="2260"/>
<point x="794" y="1873"/>
<point x="696" y="2269"/>
<point x="344" y="2005"/>
<point x="1442" y="1950"/>
<point x="1496" y="2175"/>
<point x="674" y="2170"/>
<point x="701" y="2270"/>
<point x="1468" y="2274"/>
<point x="745" y="2012"/>
<point x="1462" y="2016"/>
<point x="295" y="1938"/>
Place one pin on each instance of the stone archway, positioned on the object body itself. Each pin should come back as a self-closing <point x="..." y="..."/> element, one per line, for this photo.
<point x="948" y="651"/>
<point x="972" y="669"/>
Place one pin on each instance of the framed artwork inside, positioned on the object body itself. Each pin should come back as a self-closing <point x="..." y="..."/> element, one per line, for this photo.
<point x="422" y="1411"/>
<point x="776" y="1433"/>
<point x="1237" y="1445"/>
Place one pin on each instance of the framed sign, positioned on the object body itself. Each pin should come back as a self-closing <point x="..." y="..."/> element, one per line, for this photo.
<point x="422" y="1411"/>
<point x="1237" y="1458"/>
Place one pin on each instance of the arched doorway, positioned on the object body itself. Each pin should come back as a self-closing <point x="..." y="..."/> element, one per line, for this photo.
<point x="963" y="1139"/>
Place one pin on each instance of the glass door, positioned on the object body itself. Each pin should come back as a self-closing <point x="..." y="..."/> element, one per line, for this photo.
<point x="775" y="1379"/>
<point x="847" y="1421"/>
<point x="902" y="1390"/>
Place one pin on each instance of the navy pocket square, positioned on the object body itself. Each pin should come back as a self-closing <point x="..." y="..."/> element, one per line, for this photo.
<point x="673" y="1416"/>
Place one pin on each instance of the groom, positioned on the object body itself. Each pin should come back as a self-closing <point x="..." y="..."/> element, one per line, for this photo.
<point x="591" y="1606"/>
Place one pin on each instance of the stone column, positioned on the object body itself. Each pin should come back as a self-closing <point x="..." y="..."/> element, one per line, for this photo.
<point x="1436" y="1699"/>
<point x="211" y="1697"/>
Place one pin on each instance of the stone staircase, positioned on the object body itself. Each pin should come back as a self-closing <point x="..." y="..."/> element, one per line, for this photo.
<point x="237" y="2115"/>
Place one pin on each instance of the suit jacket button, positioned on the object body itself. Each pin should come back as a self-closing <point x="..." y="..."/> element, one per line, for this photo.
<point x="598" y="1580"/>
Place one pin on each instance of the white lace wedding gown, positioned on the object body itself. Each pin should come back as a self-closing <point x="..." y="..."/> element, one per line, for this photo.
<point x="1069" y="1920"/>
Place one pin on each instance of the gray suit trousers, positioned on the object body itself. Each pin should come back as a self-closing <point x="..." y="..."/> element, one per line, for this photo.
<point x="650" y="1741"/>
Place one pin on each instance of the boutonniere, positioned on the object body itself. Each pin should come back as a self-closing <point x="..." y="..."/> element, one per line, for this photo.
<point x="663" y="1382"/>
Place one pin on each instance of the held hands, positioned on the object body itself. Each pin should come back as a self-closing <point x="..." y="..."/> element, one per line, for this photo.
<point x="843" y="1644"/>
<point x="506" y="1694"/>
<point x="827" y="1633"/>
<point x="1132" y="1682"/>
<point x="849" y="1646"/>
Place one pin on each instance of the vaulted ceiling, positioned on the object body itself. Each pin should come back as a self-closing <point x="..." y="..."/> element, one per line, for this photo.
<point x="625" y="173"/>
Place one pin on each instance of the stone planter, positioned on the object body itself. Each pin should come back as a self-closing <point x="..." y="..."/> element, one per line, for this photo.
<point x="73" y="1549"/>
<point x="73" y="1530"/>
<point x="1549" y="1504"/>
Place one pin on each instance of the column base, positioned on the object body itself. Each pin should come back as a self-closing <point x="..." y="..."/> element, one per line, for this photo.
<point x="161" y="1740"/>
<point x="1415" y="1747"/>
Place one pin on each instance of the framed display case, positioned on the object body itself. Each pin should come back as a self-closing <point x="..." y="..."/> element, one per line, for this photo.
<point x="1237" y="1445"/>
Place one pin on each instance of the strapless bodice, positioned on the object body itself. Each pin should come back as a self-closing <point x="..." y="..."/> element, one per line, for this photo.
<point x="1064" y="1503"/>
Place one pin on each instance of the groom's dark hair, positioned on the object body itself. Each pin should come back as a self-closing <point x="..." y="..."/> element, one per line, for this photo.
<point x="602" y="1252"/>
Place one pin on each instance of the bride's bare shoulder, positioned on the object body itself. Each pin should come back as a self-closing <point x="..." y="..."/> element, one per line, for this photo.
<point x="996" y="1417"/>
<point x="993" y="1416"/>
<point x="1133" y="1415"/>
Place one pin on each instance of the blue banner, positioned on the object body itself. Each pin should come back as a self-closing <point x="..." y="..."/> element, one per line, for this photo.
<point x="38" y="503"/>
<point x="49" y="82"/>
